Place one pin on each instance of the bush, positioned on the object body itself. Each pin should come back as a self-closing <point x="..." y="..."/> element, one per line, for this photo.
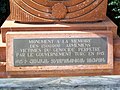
<point x="114" y="12"/>
<point x="4" y="10"/>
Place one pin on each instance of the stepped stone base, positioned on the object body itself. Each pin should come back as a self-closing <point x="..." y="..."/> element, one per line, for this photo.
<point x="106" y="25"/>
<point x="11" y="26"/>
<point x="116" y="70"/>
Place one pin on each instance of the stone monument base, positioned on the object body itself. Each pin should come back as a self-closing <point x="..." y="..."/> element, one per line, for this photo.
<point x="104" y="26"/>
<point x="116" y="68"/>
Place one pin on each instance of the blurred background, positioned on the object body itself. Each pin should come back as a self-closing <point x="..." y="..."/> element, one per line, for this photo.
<point x="113" y="11"/>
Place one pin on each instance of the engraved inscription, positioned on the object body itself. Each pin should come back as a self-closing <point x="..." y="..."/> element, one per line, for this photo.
<point x="60" y="51"/>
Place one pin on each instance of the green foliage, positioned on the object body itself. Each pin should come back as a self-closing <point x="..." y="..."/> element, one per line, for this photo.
<point x="4" y="10"/>
<point x="114" y="12"/>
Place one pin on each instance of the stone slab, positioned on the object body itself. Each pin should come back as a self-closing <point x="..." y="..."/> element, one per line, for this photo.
<point x="117" y="48"/>
<point x="2" y="66"/>
<point x="2" y="53"/>
<point x="59" y="70"/>
<point x="59" y="51"/>
<point x="116" y="55"/>
<point x="2" y="50"/>
<point x="2" y="59"/>
<point x="45" y="11"/>
<point x="106" y="25"/>
<point x="3" y="73"/>
<point x="62" y="83"/>
<point x="116" y="61"/>
<point x="117" y="66"/>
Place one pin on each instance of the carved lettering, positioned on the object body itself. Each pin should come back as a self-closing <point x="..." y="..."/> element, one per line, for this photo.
<point x="60" y="51"/>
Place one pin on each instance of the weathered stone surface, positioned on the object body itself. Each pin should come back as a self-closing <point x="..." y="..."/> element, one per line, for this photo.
<point x="117" y="48"/>
<point x="106" y="25"/>
<point x="2" y="50"/>
<point x="3" y="73"/>
<point x="2" y="53"/>
<point x="45" y="11"/>
<point x="2" y="66"/>
<point x="116" y="70"/>
<point x="2" y="59"/>
<point x="54" y="70"/>
<point x="62" y="83"/>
